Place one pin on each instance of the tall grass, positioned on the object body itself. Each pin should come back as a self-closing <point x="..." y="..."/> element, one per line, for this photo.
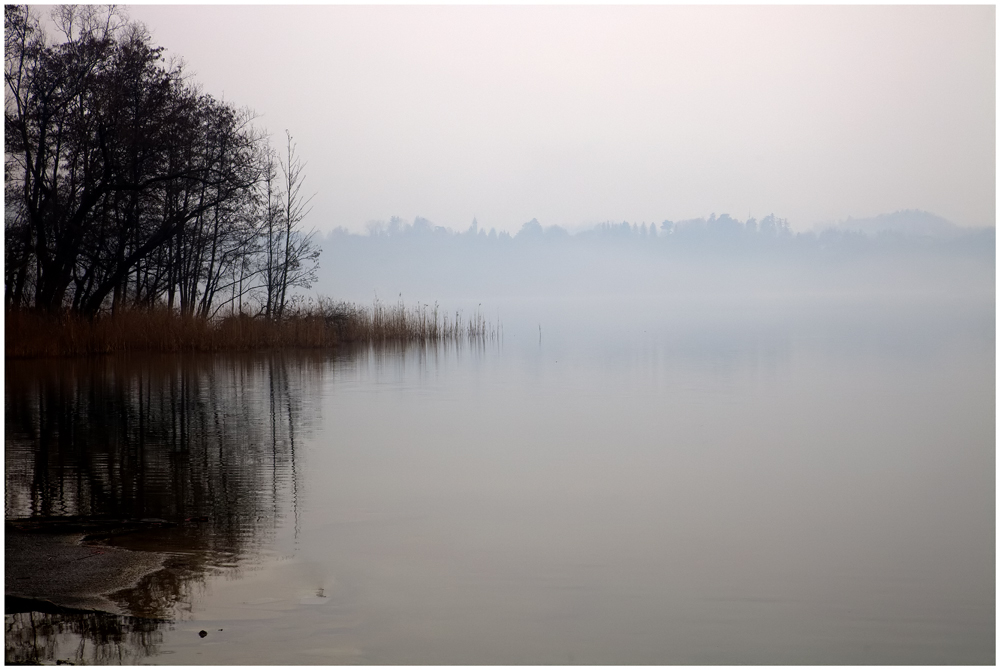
<point x="327" y="324"/>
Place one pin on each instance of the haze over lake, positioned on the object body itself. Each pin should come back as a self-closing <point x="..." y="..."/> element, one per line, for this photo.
<point x="504" y="335"/>
<point x="734" y="484"/>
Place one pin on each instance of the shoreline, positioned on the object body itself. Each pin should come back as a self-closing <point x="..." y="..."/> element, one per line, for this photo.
<point x="53" y="567"/>
<point x="34" y="334"/>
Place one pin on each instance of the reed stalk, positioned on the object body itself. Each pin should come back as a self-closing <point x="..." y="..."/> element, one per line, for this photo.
<point x="327" y="324"/>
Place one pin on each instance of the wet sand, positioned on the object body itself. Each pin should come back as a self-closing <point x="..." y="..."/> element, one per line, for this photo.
<point x="69" y="569"/>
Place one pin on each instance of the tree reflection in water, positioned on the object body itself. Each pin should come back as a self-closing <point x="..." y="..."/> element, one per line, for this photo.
<point x="208" y="443"/>
<point x="93" y="638"/>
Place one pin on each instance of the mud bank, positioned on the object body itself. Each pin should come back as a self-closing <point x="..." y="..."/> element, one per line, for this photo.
<point x="65" y="565"/>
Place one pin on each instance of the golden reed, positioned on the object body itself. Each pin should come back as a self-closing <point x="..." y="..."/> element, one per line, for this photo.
<point x="30" y="334"/>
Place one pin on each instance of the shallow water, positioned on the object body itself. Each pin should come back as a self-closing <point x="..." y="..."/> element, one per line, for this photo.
<point x="612" y="485"/>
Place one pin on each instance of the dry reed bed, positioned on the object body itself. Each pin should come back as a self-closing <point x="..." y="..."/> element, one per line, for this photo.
<point x="31" y="335"/>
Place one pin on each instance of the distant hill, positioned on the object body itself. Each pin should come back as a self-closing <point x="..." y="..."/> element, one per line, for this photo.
<point x="908" y="221"/>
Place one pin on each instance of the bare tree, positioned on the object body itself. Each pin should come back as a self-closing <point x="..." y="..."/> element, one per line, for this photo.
<point x="300" y="257"/>
<point x="126" y="185"/>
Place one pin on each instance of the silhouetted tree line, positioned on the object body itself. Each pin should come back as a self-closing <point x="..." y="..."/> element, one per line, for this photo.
<point x="900" y="230"/>
<point x="717" y="225"/>
<point x="712" y="229"/>
<point x="126" y="186"/>
<point x="894" y="252"/>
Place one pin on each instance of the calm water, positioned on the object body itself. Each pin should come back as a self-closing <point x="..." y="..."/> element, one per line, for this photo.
<point x="621" y="485"/>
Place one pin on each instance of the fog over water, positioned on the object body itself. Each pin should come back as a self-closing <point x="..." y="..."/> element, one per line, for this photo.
<point x="719" y="482"/>
<point x="902" y="255"/>
<point x="735" y="404"/>
<point x="714" y="446"/>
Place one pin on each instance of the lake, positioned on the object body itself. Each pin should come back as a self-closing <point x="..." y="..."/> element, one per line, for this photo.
<point x="606" y="483"/>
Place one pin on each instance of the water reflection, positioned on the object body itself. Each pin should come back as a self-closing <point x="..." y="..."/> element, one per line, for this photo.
<point x="205" y="443"/>
<point x="684" y="488"/>
<point x="92" y="638"/>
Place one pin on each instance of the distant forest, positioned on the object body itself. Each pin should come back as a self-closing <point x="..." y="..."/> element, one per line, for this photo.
<point x="903" y="251"/>
<point x="715" y="231"/>
<point x="126" y="186"/>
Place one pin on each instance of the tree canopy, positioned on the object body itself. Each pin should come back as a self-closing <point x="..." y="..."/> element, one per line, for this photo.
<point x="126" y="185"/>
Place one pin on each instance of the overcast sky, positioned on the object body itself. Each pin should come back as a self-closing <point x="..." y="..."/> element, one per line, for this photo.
<point x="575" y="115"/>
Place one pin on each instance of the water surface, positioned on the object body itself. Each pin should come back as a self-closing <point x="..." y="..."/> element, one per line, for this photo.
<point x="618" y="485"/>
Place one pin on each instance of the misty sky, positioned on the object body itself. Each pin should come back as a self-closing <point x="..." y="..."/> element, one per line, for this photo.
<point x="575" y="115"/>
